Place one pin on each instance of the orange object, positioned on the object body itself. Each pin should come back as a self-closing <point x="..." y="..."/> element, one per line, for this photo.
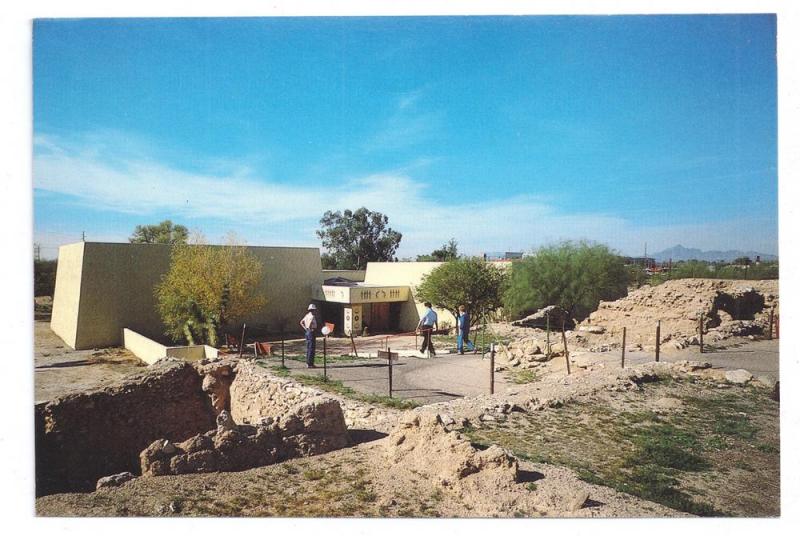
<point x="330" y="326"/>
<point x="263" y="348"/>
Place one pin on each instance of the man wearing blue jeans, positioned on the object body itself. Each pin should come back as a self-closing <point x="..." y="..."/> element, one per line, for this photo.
<point x="309" y="325"/>
<point x="463" y="331"/>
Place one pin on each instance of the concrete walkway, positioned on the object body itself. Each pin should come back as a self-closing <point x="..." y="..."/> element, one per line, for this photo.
<point x="761" y="358"/>
<point x="450" y="376"/>
<point x="442" y="378"/>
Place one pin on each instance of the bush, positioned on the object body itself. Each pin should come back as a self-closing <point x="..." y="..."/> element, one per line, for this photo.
<point x="44" y="277"/>
<point x="477" y="285"/>
<point x="207" y="288"/>
<point x="706" y="270"/>
<point x="574" y="276"/>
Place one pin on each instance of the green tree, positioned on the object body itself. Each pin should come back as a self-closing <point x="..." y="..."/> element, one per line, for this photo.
<point x="742" y="261"/>
<point x="206" y="289"/>
<point x="471" y="282"/>
<point x="352" y="239"/>
<point x="447" y="252"/>
<point x="44" y="277"/>
<point x="574" y="276"/>
<point x="163" y="233"/>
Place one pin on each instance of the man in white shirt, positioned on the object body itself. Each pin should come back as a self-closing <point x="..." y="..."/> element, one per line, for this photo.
<point x="309" y="325"/>
<point x="428" y="323"/>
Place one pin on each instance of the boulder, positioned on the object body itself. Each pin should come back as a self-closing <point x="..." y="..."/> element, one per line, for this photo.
<point x="739" y="377"/>
<point x="557" y="315"/>
<point x="113" y="481"/>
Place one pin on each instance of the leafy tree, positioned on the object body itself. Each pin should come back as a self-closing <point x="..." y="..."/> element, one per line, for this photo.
<point x="162" y="233"/>
<point x="742" y="261"/>
<point x="354" y="238"/>
<point x="574" y="276"/>
<point x="447" y="252"/>
<point x="206" y="289"/>
<point x="471" y="282"/>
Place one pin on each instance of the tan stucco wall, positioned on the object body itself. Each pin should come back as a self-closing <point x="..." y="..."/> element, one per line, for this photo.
<point x="411" y="274"/>
<point x="117" y="292"/>
<point x="145" y="349"/>
<point x="352" y="275"/>
<point x="67" y="295"/>
<point x="110" y="287"/>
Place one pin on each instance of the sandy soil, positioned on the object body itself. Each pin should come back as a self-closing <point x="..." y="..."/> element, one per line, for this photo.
<point x="58" y="370"/>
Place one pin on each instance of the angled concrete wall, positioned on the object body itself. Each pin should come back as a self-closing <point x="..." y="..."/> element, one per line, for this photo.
<point x="67" y="294"/>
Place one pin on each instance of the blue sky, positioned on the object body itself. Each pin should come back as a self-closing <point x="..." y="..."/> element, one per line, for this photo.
<point x="504" y="132"/>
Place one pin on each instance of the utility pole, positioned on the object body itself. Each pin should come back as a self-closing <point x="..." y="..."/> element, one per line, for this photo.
<point x="83" y="236"/>
<point x="37" y="252"/>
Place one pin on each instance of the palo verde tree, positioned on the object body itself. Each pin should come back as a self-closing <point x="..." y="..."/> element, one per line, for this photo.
<point x="163" y="233"/>
<point x="207" y="289"/>
<point x="447" y="252"/>
<point x="352" y="239"/>
<point x="574" y="276"/>
<point x="470" y="282"/>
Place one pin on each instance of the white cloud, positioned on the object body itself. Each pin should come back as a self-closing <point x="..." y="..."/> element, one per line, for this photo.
<point x="264" y="212"/>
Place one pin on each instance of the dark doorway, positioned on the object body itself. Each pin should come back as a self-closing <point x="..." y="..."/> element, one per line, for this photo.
<point x="379" y="317"/>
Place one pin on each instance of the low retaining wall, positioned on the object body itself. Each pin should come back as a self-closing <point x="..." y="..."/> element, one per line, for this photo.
<point x="150" y="351"/>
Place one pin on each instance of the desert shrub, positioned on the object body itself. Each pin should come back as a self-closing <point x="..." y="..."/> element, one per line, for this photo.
<point x="471" y="282"/>
<point x="574" y="276"/>
<point x="207" y="288"/>
<point x="44" y="277"/>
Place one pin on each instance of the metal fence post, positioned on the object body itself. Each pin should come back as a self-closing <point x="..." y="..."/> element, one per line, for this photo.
<point x="389" y="352"/>
<point x="325" y="357"/>
<point x="491" y="370"/>
<point x="547" y="344"/>
<point x="624" y="334"/>
<point x="566" y="351"/>
<point x="700" y="329"/>
<point x="658" y="340"/>
<point x="771" y="320"/>
<point x="241" y="341"/>
<point x="283" y="359"/>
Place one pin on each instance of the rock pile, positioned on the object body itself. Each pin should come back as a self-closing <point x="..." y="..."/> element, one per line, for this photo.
<point x="531" y="350"/>
<point x="553" y="316"/>
<point x="729" y="308"/>
<point x="422" y="444"/>
<point x="317" y="428"/>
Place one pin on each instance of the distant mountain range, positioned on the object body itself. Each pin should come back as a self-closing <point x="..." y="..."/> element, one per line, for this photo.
<point x="680" y="253"/>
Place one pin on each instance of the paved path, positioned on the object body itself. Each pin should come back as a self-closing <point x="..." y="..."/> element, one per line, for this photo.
<point x="438" y="379"/>
<point x="759" y="357"/>
<point x="450" y="376"/>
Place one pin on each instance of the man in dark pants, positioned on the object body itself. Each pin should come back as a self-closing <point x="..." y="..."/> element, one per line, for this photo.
<point x="309" y="325"/>
<point x="463" y="321"/>
<point x="428" y="322"/>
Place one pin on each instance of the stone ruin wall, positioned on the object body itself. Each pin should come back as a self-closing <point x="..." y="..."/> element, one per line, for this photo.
<point x="85" y="436"/>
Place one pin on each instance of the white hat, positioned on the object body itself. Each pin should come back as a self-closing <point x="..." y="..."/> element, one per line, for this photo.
<point x="312" y="307"/>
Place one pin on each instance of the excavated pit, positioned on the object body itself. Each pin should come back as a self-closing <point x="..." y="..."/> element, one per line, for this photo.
<point x="178" y="418"/>
<point x="740" y="305"/>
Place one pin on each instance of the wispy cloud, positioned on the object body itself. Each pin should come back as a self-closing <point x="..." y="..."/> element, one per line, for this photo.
<point x="407" y="125"/>
<point x="264" y="211"/>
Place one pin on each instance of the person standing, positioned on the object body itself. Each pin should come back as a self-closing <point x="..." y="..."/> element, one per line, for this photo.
<point x="309" y="325"/>
<point x="428" y="322"/>
<point x="463" y="330"/>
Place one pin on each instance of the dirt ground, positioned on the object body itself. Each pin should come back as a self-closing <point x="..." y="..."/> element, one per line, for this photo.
<point x="354" y="482"/>
<point x="671" y="448"/>
<point x="58" y="370"/>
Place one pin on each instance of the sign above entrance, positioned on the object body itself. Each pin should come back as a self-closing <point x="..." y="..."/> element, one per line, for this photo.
<point x="359" y="294"/>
